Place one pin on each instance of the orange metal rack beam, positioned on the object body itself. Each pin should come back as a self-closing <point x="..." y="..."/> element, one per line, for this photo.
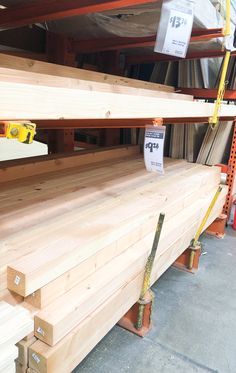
<point x="115" y="123"/>
<point x="30" y="12"/>
<point x="208" y="93"/>
<point x="115" y="43"/>
<point x="156" y="57"/>
<point x="231" y="174"/>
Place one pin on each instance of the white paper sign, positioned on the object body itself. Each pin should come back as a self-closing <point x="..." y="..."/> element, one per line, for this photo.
<point x="154" y="148"/>
<point x="175" y="29"/>
<point x="230" y="41"/>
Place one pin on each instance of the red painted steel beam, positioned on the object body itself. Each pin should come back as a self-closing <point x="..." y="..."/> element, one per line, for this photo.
<point x="115" y="123"/>
<point x="156" y="57"/>
<point x="47" y="10"/>
<point x="114" y="43"/>
<point x="208" y="93"/>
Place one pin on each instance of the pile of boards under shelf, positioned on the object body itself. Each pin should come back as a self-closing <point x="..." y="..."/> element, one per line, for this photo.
<point x="76" y="234"/>
<point x="15" y="324"/>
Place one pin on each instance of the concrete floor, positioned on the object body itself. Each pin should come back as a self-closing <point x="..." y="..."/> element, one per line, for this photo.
<point x="194" y="322"/>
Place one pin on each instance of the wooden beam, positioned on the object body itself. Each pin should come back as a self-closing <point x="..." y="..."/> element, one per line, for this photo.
<point x="12" y="170"/>
<point x="26" y="101"/>
<point x="34" y="66"/>
<point x="48" y="10"/>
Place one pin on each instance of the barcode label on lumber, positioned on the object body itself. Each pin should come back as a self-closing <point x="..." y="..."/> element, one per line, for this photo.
<point x="40" y="331"/>
<point x="154" y="148"/>
<point x="36" y="358"/>
<point x="17" y="280"/>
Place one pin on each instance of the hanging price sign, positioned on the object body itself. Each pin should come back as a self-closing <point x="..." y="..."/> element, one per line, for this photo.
<point x="175" y="28"/>
<point x="154" y="148"/>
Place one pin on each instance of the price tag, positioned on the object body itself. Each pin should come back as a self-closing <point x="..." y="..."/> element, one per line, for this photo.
<point x="230" y="41"/>
<point x="175" y="29"/>
<point x="154" y="148"/>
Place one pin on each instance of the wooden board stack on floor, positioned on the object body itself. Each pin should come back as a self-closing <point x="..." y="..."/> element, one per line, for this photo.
<point x="15" y="323"/>
<point x="90" y="230"/>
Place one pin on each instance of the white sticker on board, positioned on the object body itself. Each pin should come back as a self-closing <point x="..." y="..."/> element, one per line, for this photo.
<point x="154" y="148"/>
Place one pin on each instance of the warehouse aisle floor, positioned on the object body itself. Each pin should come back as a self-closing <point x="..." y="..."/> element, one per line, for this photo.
<point x="194" y="322"/>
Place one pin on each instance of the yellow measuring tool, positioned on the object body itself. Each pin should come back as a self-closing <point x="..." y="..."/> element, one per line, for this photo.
<point x="22" y="131"/>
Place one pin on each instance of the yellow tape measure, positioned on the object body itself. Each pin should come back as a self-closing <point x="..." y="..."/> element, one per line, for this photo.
<point x="23" y="132"/>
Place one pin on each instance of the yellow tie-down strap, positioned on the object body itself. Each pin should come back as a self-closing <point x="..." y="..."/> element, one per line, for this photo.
<point x="213" y="121"/>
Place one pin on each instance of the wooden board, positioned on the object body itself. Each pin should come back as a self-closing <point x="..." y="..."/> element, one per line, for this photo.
<point x="34" y="66"/>
<point x="23" y="357"/>
<point x="11" y="170"/>
<point x="15" y="324"/>
<point x="8" y="354"/>
<point x="24" y="77"/>
<point x="28" y="101"/>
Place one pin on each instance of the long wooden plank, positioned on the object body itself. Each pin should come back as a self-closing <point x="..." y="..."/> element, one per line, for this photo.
<point x="27" y="101"/>
<point x="72" y="195"/>
<point x="10" y="170"/>
<point x="78" y="195"/>
<point x="70" y="351"/>
<point x="15" y="324"/>
<point x="24" y="77"/>
<point x="33" y="66"/>
<point x="102" y="224"/>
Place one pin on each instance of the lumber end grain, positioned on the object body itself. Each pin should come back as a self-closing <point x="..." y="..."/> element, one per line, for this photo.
<point x="34" y="299"/>
<point x="43" y="331"/>
<point x="37" y="361"/>
<point x="16" y="281"/>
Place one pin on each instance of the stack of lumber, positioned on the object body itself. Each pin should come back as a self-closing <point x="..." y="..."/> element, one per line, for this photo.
<point x="89" y="232"/>
<point x="52" y="92"/>
<point x="15" y="323"/>
<point x="216" y="144"/>
<point x="22" y="362"/>
<point x="186" y="140"/>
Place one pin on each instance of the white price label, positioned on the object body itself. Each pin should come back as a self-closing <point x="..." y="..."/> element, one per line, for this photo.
<point x="154" y="148"/>
<point x="178" y="34"/>
<point x="175" y="29"/>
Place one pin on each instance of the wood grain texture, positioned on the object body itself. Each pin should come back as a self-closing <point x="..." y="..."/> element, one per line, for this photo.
<point x="27" y="101"/>
<point x="34" y="66"/>
<point x="123" y="207"/>
<point x="71" y="350"/>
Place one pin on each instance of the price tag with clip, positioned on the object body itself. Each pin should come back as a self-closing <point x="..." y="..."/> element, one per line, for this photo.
<point x="154" y="148"/>
<point x="175" y="28"/>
